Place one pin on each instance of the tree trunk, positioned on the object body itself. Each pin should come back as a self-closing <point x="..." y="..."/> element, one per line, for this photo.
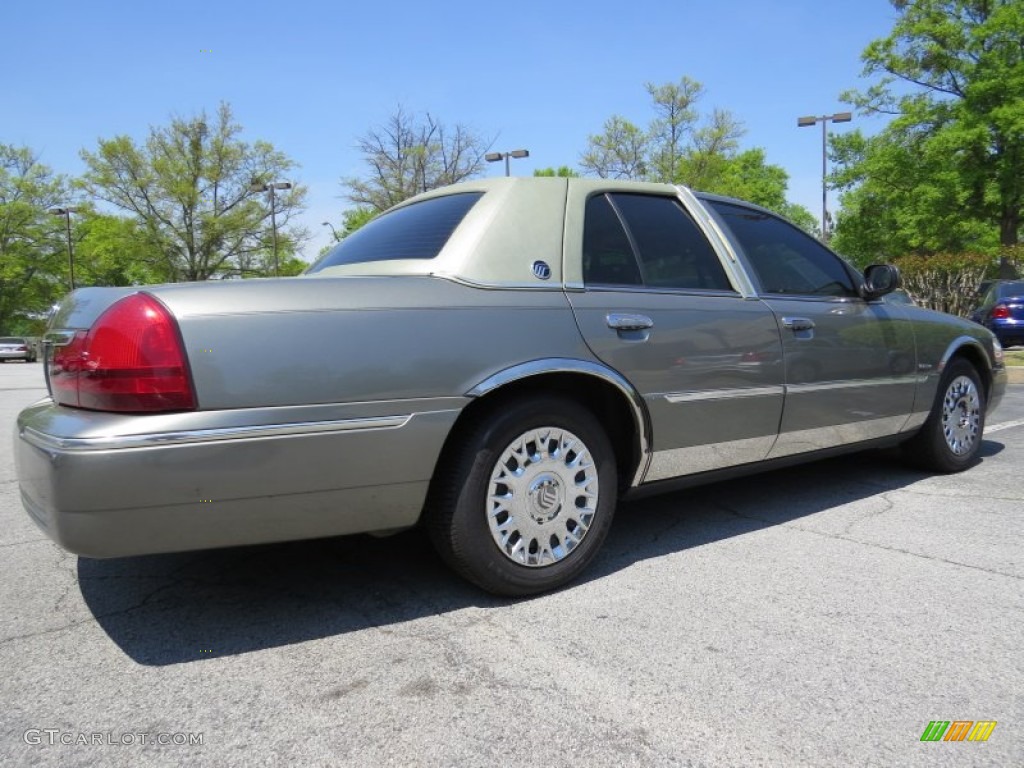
<point x="1009" y="226"/>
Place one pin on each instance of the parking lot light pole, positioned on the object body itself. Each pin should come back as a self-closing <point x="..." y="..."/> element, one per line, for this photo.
<point x="804" y="122"/>
<point x="334" y="232"/>
<point x="66" y="213"/>
<point x="494" y="157"/>
<point x="270" y="187"/>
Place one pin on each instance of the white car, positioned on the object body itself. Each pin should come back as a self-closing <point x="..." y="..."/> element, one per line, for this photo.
<point x="17" y="348"/>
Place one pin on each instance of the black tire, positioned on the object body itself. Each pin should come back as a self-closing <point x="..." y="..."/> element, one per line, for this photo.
<point x="465" y="525"/>
<point x="950" y="439"/>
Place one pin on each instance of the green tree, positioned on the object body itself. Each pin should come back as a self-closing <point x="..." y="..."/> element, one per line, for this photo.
<point x="409" y="155"/>
<point x="562" y="171"/>
<point x="192" y="187"/>
<point x="959" y="68"/>
<point x="115" y="250"/>
<point x="901" y="195"/>
<point x="680" y="147"/>
<point x="33" y="255"/>
<point x="356" y="218"/>
<point x="621" y="151"/>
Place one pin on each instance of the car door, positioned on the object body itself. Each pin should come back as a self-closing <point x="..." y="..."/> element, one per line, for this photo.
<point x="850" y="364"/>
<point x="656" y="302"/>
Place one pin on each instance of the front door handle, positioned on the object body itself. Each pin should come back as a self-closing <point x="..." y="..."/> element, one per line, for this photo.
<point x="623" y="321"/>
<point x="798" y="323"/>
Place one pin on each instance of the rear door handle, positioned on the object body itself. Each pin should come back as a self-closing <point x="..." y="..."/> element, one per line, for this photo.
<point x="623" y="321"/>
<point x="798" y="323"/>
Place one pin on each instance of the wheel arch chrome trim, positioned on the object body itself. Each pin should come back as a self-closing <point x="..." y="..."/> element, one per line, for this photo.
<point x="959" y="343"/>
<point x="641" y="420"/>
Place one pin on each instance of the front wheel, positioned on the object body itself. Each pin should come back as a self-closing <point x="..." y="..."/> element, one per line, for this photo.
<point x="525" y="497"/>
<point x="951" y="437"/>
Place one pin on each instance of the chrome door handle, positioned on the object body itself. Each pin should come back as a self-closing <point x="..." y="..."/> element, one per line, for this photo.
<point x="622" y="321"/>
<point x="798" y="323"/>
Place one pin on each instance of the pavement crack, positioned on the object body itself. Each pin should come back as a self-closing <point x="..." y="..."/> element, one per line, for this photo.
<point x="889" y="506"/>
<point x="936" y="494"/>
<point x="23" y="541"/>
<point x="851" y="540"/>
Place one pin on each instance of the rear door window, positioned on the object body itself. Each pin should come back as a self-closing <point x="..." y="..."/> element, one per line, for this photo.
<point x="647" y="240"/>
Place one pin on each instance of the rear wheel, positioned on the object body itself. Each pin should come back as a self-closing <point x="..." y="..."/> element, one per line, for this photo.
<point x="524" y="499"/>
<point x="951" y="437"/>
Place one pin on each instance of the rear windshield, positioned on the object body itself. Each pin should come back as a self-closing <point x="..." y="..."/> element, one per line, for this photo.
<point x="1011" y="289"/>
<point x="417" y="231"/>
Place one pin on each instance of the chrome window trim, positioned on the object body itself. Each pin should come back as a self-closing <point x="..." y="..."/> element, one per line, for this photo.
<point x="734" y="268"/>
<point x="708" y="292"/>
<point x="818" y="297"/>
<point x="186" y="437"/>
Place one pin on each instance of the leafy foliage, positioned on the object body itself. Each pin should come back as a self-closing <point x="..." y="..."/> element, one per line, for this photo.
<point x="356" y="218"/>
<point x="562" y="171"/>
<point x="947" y="174"/>
<point x="679" y="147"/>
<point x="33" y="249"/>
<point x="190" y="187"/>
<point x="409" y="155"/>
<point x="115" y="250"/>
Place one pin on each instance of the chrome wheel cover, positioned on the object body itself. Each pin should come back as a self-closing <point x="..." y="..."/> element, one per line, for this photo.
<point x="961" y="415"/>
<point x="542" y="496"/>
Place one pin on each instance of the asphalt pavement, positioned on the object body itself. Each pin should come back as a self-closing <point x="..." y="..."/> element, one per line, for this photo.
<point x="816" y="616"/>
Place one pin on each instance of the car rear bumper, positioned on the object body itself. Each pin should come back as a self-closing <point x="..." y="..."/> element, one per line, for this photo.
<point x="121" y="494"/>
<point x="1009" y="331"/>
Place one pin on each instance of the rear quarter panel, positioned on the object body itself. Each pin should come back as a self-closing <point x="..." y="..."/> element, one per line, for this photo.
<point x="357" y="339"/>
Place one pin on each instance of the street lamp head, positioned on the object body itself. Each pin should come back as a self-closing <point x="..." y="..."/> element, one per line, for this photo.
<point x="57" y="211"/>
<point x="494" y="157"/>
<point x="803" y="122"/>
<point x="842" y="117"/>
<point x="519" y="153"/>
<point x="282" y="185"/>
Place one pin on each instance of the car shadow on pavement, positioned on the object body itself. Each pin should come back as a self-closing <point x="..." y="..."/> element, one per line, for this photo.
<point x="176" y="608"/>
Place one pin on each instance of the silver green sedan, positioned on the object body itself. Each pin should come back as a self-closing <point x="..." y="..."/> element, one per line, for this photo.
<point x="499" y="361"/>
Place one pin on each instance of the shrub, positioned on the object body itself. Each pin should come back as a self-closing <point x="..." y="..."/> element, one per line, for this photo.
<point x="947" y="282"/>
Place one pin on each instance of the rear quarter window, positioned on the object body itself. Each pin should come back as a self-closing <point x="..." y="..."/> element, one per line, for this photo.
<point x="417" y="231"/>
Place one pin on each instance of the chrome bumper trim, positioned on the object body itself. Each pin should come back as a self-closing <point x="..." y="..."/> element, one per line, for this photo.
<point x="116" y="442"/>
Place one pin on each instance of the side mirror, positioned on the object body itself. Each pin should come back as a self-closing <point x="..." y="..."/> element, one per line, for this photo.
<point x="880" y="279"/>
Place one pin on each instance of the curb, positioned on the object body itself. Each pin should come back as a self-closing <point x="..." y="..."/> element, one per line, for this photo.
<point x="1015" y="374"/>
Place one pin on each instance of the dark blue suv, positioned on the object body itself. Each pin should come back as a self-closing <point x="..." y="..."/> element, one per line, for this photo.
<point x="1002" y="311"/>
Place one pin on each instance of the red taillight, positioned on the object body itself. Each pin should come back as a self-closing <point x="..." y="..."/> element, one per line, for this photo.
<point x="130" y="360"/>
<point x="999" y="312"/>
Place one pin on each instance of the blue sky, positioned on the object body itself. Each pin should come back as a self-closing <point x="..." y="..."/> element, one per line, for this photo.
<point x="311" y="77"/>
